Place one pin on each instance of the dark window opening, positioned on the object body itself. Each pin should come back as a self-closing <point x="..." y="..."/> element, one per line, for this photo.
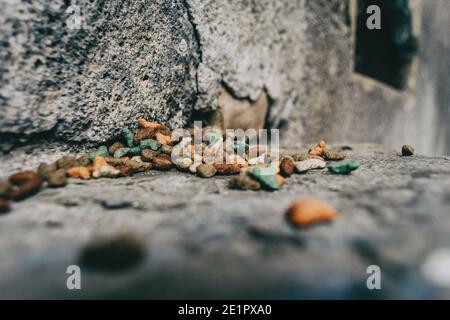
<point x="386" y="54"/>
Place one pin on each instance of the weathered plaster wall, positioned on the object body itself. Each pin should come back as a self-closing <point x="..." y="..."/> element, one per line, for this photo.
<point x="164" y="60"/>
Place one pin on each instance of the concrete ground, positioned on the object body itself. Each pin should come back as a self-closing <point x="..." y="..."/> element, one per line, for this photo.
<point x="203" y="240"/>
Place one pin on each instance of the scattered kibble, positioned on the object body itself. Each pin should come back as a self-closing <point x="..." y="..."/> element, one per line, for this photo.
<point x="128" y="137"/>
<point x="67" y="162"/>
<point x="147" y="155"/>
<point x="79" y="173"/>
<point x="163" y="139"/>
<point x="57" y="179"/>
<point x="101" y="169"/>
<point x="183" y="164"/>
<point x="114" y="147"/>
<point x="149" y="125"/>
<point x="344" y="167"/>
<point x="166" y="149"/>
<point x="319" y="149"/>
<point x="122" y="152"/>
<point x="304" y="213"/>
<point x="25" y="184"/>
<point x="45" y="170"/>
<point x="150" y="144"/>
<point x="311" y="164"/>
<point x="162" y="163"/>
<point x="266" y="176"/>
<point x="100" y="152"/>
<point x="143" y="134"/>
<point x="138" y="166"/>
<point x="227" y="169"/>
<point x="244" y="182"/>
<point x="407" y="150"/>
<point x="286" y="167"/>
<point x="334" y="156"/>
<point x="206" y="171"/>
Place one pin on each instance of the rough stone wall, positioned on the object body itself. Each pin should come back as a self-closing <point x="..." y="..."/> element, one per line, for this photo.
<point x="165" y="60"/>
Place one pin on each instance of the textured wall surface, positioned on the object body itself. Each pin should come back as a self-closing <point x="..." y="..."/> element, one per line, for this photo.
<point x="164" y="60"/>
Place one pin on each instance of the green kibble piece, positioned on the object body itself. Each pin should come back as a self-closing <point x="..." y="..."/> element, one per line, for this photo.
<point x="128" y="136"/>
<point x="344" y="167"/>
<point x="265" y="176"/>
<point x="101" y="152"/>
<point x="150" y="144"/>
<point x="135" y="151"/>
<point x="122" y="152"/>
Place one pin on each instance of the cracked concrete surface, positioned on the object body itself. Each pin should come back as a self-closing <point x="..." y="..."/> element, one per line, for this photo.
<point x="203" y="240"/>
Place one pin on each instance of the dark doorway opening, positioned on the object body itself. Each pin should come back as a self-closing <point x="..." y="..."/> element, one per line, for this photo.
<point x="386" y="54"/>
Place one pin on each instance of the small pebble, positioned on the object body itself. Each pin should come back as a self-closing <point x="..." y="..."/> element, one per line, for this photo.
<point x="101" y="152"/>
<point x="127" y="137"/>
<point x="304" y="213"/>
<point x="166" y="149"/>
<point x="148" y="155"/>
<point x="319" y="149"/>
<point x="311" y="164"/>
<point x="27" y="184"/>
<point x="138" y="166"/>
<point x="407" y="150"/>
<point x="122" y="152"/>
<point x="67" y="162"/>
<point x="45" y="170"/>
<point x="183" y="164"/>
<point x="206" y="171"/>
<point x="344" y="167"/>
<point x="79" y="173"/>
<point x="244" y="182"/>
<point x="57" y="179"/>
<point x="114" y="162"/>
<point x="334" y="156"/>
<point x="162" y="163"/>
<point x="286" y="167"/>
<point x="114" y="147"/>
<point x="5" y="206"/>
<point x="116" y="254"/>
<point x="227" y="169"/>
<point x="266" y="176"/>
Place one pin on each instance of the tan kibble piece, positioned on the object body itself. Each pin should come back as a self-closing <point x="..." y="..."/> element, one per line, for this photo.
<point x="319" y="149"/>
<point x="79" y="173"/>
<point x="148" y="125"/>
<point x="166" y="140"/>
<point x="311" y="211"/>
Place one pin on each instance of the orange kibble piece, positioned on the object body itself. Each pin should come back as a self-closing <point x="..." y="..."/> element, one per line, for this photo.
<point x="79" y="172"/>
<point x="98" y="163"/>
<point x="149" y="125"/>
<point x="304" y="213"/>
